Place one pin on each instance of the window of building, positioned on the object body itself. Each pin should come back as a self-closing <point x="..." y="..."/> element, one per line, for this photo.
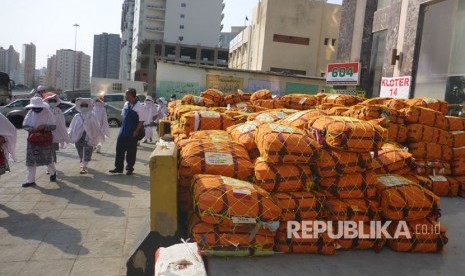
<point x="183" y="5"/>
<point x="383" y="3"/>
<point x="333" y="41"/>
<point x="117" y="87"/>
<point x="183" y="16"/>
<point x="322" y="75"/>
<point x="181" y="38"/>
<point x="377" y="62"/>
<point x="291" y="39"/>
<point x="326" y="41"/>
<point x="181" y="26"/>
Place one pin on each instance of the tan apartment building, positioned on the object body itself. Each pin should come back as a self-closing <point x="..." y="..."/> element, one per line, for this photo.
<point x="293" y="37"/>
<point x="421" y="39"/>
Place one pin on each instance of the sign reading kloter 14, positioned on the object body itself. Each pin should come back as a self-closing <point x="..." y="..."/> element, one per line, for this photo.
<point x="343" y="73"/>
<point x="395" y="87"/>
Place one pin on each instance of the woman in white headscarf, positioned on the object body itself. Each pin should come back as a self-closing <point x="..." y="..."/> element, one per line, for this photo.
<point x="151" y="111"/>
<point x="60" y="134"/>
<point x="7" y="143"/>
<point x="84" y="131"/>
<point x="101" y="114"/>
<point x="40" y="123"/>
<point x="162" y="108"/>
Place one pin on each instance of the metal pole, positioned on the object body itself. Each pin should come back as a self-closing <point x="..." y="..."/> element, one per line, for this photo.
<point x="75" y="43"/>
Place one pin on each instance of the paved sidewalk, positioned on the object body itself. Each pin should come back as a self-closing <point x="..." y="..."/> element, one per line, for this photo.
<point x="80" y="225"/>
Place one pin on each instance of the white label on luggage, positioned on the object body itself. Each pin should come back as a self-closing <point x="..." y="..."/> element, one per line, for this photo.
<point x="333" y="97"/>
<point x="295" y="116"/>
<point x="196" y="99"/>
<point x="280" y="115"/>
<point x="237" y="183"/>
<point x="241" y="105"/>
<point x="264" y="117"/>
<point x="393" y="180"/>
<point x="430" y="100"/>
<point x="456" y="132"/>
<point x="244" y="220"/>
<point x="210" y="114"/>
<point x="438" y="178"/>
<point x="214" y="158"/>
<point x="218" y="138"/>
<point x="303" y="100"/>
<point x="242" y="191"/>
<point x="247" y="127"/>
<point x="282" y="128"/>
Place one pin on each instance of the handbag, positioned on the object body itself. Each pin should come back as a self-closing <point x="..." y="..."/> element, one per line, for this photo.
<point x="40" y="138"/>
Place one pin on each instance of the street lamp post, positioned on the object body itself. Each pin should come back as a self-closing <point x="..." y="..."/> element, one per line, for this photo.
<point x="75" y="43"/>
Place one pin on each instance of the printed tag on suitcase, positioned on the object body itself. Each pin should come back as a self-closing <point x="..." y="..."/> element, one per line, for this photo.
<point x="393" y="180"/>
<point x="244" y="220"/>
<point x="214" y="158"/>
<point x="438" y="178"/>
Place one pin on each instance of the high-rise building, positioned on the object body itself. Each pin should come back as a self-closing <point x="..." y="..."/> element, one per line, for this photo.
<point x="106" y="56"/>
<point x="292" y="37"/>
<point x="9" y="63"/>
<point x="127" y="23"/>
<point x="183" y="31"/>
<point x="66" y="66"/>
<point x="28" y="62"/>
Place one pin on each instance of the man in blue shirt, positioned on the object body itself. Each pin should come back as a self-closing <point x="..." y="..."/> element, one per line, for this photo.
<point x="133" y="122"/>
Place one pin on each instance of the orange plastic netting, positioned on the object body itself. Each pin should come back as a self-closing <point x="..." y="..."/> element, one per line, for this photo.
<point x="349" y="186"/>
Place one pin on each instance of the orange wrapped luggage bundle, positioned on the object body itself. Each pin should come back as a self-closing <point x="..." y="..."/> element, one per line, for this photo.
<point x="392" y="159"/>
<point x="348" y="134"/>
<point x="352" y="209"/>
<point x="425" y="236"/>
<point x="172" y="105"/>
<point x="224" y="200"/>
<point x="401" y="199"/>
<point x="230" y="237"/>
<point x="269" y="104"/>
<point x="300" y="205"/>
<point x="432" y="167"/>
<point x="300" y="119"/>
<point x="263" y="94"/>
<point x="236" y="98"/>
<point x="424" y="133"/>
<point x="320" y="244"/>
<point x="214" y="95"/>
<point x="285" y="144"/>
<point x="368" y="240"/>
<point x="213" y="135"/>
<point x="337" y="162"/>
<point x="353" y="186"/>
<point x="183" y="109"/>
<point x="205" y="120"/>
<point x="244" y="134"/>
<point x="443" y="185"/>
<point x="396" y="104"/>
<point x="397" y="133"/>
<point x="458" y="166"/>
<point x="457" y="139"/>
<point x="328" y="106"/>
<point x="430" y="151"/>
<point x="347" y="100"/>
<point x="185" y="203"/>
<point x="196" y="100"/>
<point x="373" y="112"/>
<point x="269" y="116"/>
<point x="458" y="153"/>
<point x="283" y="177"/>
<point x="455" y="123"/>
<point x="434" y="104"/>
<point x="299" y="101"/>
<point x="337" y="111"/>
<point x="375" y="101"/>
<point x="214" y="157"/>
<point x="320" y="97"/>
<point x="424" y="116"/>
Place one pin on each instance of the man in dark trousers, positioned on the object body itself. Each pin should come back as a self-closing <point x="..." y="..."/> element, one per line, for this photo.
<point x="133" y="123"/>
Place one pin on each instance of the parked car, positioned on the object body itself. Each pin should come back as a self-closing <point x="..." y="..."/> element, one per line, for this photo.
<point x="116" y="100"/>
<point x="113" y="113"/>
<point x="16" y="116"/>
<point x="14" y="105"/>
<point x="72" y="95"/>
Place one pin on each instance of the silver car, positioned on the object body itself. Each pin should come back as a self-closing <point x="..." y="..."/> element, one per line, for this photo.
<point x="115" y="118"/>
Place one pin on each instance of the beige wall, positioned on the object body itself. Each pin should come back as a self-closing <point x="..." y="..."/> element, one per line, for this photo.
<point x="315" y="20"/>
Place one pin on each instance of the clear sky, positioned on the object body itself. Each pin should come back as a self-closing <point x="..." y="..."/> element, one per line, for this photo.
<point x="49" y="23"/>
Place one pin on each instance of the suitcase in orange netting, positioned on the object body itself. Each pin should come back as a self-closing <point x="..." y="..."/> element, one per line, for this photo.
<point x="430" y="151"/>
<point x="300" y="119"/>
<point x="196" y="100"/>
<point x="347" y="134"/>
<point x="269" y="104"/>
<point x="397" y="133"/>
<point x="434" y="104"/>
<point x="401" y="199"/>
<point x="218" y="158"/>
<point x="373" y="112"/>
<point x="367" y="237"/>
<point x="285" y="144"/>
<point x="424" y="236"/>
<point x="244" y="134"/>
<point x="283" y="177"/>
<point x="455" y="123"/>
<point x="458" y="166"/>
<point x="318" y="244"/>
<point x="424" y="116"/>
<point x="264" y="94"/>
<point x="230" y="238"/>
<point x="237" y="98"/>
<point x="349" y="186"/>
<point x="214" y="95"/>
<point x="457" y="139"/>
<point x="205" y="120"/>
<point x="213" y="135"/>
<point x="228" y="201"/>
<point x="352" y="210"/>
<point x="269" y="116"/>
<point x="392" y="159"/>
<point x="298" y="206"/>
<point x="432" y="167"/>
<point x="334" y="162"/>
<point x="347" y="100"/>
<point x="424" y="133"/>
<point x="299" y="101"/>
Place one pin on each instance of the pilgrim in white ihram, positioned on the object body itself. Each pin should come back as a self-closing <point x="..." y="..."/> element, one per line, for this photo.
<point x="100" y="113"/>
<point x="7" y="143"/>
